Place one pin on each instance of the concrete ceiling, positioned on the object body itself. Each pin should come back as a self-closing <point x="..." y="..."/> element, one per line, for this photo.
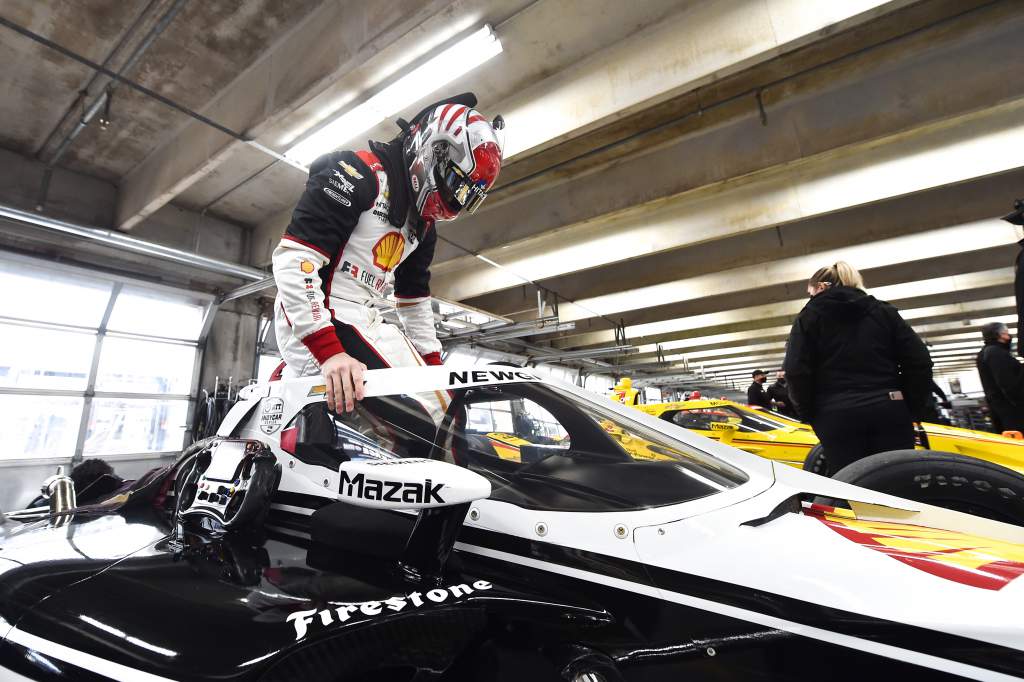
<point x="205" y="47"/>
<point x="676" y="168"/>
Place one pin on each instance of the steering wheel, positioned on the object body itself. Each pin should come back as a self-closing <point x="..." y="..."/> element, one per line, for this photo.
<point x="232" y="483"/>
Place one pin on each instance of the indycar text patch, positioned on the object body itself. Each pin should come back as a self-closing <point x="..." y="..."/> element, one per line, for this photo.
<point x="273" y="414"/>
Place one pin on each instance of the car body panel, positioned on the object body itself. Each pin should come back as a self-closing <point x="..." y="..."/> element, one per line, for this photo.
<point x="791" y="441"/>
<point x="749" y="581"/>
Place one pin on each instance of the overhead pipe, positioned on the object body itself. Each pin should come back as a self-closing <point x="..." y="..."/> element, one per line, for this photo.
<point x="97" y="77"/>
<point x="104" y="98"/>
<point x="251" y="288"/>
<point x="503" y="335"/>
<point x="493" y="331"/>
<point x="131" y="244"/>
<point x="585" y="354"/>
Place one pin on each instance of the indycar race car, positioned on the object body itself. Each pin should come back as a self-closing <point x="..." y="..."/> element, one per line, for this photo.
<point x="394" y="543"/>
<point x="974" y="471"/>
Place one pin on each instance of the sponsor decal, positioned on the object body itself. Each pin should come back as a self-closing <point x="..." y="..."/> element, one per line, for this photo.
<point x="381" y="208"/>
<point x="387" y="252"/>
<point x="273" y="414"/>
<point x="307" y="268"/>
<point x="360" y="611"/>
<point x="966" y="559"/>
<point x="337" y="197"/>
<point x="315" y="308"/>
<point x="361" y="275"/>
<point x="390" y="491"/>
<point x="350" y="170"/>
<point x="341" y="182"/>
<point x="415" y="184"/>
<point x="481" y="375"/>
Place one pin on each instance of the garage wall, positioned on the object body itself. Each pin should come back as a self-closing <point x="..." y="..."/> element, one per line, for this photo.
<point x="71" y="195"/>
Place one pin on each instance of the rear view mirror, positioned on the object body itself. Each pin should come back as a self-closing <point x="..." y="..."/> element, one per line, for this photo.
<point x="409" y="484"/>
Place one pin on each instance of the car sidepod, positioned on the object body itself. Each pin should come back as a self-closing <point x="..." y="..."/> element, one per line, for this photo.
<point x="882" y="596"/>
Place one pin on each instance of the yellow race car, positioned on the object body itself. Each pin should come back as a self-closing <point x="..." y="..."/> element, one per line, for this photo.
<point x="974" y="471"/>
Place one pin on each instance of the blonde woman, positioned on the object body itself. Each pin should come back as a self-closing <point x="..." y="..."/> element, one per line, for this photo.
<point x="856" y="370"/>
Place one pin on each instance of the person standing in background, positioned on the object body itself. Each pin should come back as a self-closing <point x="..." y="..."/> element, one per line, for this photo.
<point x="856" y="370"/>
<point x="1002" y="378"/>
<point x="779" y="395"/>
<point x="756" y="395"/>
<point x="1016" y="217"/>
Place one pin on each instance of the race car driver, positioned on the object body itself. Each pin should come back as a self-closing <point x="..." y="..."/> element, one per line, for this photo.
<point x="365" y="224"/>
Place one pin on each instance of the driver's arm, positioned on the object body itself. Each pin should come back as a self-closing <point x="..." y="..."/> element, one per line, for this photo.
<point x="322" y="222"/>
<point x="412" y="289"/>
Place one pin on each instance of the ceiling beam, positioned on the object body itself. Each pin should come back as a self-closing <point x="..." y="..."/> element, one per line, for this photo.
<point x="807" y="113"/>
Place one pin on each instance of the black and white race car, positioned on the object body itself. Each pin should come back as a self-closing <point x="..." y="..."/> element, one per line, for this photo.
<point x="485" y="524"/>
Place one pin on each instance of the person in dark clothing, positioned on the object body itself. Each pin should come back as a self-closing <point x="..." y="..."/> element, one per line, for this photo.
<point x="1016" y="217"/>
<point x="1002" y="378"/>
<point x="779" y="395"/>
<point x="756" y="395"/>
<point x="935" y="401"/>
<point x="856" y="370"/>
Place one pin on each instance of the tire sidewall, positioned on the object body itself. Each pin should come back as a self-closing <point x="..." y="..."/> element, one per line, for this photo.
<point x="943" y="479"/>
<point x="817" y="461"/>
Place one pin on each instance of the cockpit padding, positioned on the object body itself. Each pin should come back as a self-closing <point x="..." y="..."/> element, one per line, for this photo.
<point x="370" y="532"/>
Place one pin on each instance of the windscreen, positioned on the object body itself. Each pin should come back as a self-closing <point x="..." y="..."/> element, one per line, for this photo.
<point x="541" y="447"/>
<point x="545" y="448"/>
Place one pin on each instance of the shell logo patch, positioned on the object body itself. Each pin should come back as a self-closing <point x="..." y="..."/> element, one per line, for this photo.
<point x="967" y="559"/>
<point x="307" y="267"/>
<point x="387" y="252"/>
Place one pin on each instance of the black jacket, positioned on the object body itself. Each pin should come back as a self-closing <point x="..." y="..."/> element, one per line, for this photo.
<point x="848" y="349"/>
<point x="1002" y="377"/>
<point x="757" y="396"/>
<point x="779" y="392"/>
<point x="1018" y="291"/>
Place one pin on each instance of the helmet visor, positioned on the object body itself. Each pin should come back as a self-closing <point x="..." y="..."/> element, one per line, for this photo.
<point x="456" y="188"/>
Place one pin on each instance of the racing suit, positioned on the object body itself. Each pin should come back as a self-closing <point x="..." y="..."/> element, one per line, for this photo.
<point x="345" y="248"/>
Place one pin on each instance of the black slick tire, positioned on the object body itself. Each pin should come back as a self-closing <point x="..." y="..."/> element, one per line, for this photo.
<point x="943" y="479"/>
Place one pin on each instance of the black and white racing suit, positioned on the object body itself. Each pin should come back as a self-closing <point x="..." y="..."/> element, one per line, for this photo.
<point x="337" y="261"/>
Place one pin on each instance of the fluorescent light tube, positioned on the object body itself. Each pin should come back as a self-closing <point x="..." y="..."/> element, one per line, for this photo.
<point x="433" y="74"/>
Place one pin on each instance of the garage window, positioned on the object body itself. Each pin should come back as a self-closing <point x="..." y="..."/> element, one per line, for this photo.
<point x="93" y="365"/>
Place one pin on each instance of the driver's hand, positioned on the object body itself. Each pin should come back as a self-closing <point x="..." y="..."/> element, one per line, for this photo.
<point x="343" y="376"/>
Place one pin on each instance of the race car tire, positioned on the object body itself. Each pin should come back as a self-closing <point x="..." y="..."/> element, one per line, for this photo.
<point x="943" y="479"/>
<point x="817" y="462"/>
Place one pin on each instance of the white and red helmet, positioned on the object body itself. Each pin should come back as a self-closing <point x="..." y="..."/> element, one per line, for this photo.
<point x="453" y="156"/>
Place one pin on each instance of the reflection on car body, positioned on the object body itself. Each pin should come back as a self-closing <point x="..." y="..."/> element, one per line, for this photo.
<point x="601" y="544"/>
